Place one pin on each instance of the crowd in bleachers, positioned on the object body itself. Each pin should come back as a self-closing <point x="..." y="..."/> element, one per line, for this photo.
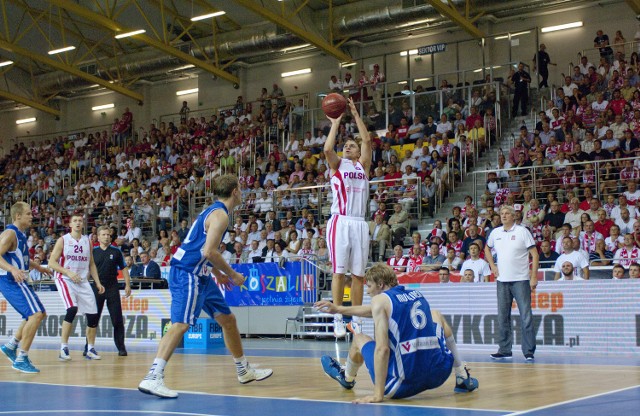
<point x="148" y="185"/>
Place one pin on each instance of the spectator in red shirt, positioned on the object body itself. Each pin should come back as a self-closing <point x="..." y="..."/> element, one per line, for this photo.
<point x="472" y="117"/>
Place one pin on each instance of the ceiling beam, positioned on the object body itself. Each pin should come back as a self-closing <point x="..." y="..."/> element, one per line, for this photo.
<point x="281" y="21"/>
<point x="453" y="14"/>
<point x="117" y="27"/>
<point x="635" y="5"/>
<point x="28" y="102"/>
<point x="70" y="69"/>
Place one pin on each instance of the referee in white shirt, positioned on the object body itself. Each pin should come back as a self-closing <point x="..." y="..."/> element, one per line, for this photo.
<point x="513" y="245"/>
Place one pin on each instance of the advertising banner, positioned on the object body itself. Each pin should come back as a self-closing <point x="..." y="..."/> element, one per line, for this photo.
<point x="598" y="316"/>
<point x="268" y="284"/>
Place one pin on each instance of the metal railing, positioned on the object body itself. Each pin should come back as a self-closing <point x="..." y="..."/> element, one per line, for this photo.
<point x="607" y="178"/>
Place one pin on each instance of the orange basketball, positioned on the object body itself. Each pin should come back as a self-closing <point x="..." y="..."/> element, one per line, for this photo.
<point x="334" y="105"/>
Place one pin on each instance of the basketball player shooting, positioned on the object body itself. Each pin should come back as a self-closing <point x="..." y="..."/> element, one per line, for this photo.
<point x="347" y="231"/>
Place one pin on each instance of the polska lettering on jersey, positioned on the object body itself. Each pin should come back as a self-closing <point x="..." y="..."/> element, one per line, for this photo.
<point x="355" y="175"/>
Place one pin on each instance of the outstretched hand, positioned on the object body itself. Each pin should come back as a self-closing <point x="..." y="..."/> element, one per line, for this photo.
<point x="325" y="306"/>
<point x="336" y="120"/>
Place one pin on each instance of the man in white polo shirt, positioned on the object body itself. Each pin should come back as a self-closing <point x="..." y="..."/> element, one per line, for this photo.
<point x="513" y="245"/>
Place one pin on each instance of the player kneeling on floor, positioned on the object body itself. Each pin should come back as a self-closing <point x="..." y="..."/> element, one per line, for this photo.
<point x="425" y="351"/>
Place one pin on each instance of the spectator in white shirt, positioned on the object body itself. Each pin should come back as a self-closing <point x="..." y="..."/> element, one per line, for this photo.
<point x="567" y="272"/>
<point x="480" y="267"/>
<point x="578" y="260"/>
<point x="133" y="232"/>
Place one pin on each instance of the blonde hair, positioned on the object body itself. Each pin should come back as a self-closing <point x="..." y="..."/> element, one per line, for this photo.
<point x="19" y="208"/>
<point x="382" y="274"/>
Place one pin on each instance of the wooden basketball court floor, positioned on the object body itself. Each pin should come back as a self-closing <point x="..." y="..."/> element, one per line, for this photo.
<point x="553" y="385"/>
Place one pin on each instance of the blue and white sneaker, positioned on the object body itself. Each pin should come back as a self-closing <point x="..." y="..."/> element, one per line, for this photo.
<point x="465" y="384"/>
<point x="9" y="353"/>
<point x="23" y="364"/>
<point x="333" y="369"/>
<point x="64" y="354"/>
<point x="92" y="354"/>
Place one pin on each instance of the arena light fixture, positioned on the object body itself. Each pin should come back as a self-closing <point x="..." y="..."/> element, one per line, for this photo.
<point x="421" y="79"/>
<point x="103" y="107"/>
<point x="26" y="120"/>
<point x="132" y="33"/>
<point x="207" y="16"/>
<point x="293" y="48"/>
<point x="513" y="35"/>
<point x="561" y="27"/>
<point x="409" y="52"/>
<point x="347" y="64"/>
<point x="65" y="49"/>
<point x="189" y="91"/>
<point x="296" y="72"/>
<point x="5" y="63"/>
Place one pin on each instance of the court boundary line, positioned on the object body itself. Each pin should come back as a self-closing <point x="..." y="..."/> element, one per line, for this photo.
<point x="83" y="411"/>
<point x="535" y="409"/>
<point x="386" y="403"/>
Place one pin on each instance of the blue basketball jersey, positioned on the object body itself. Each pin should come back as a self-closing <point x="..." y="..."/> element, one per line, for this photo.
<point x="20" y="256"/>
<point x="190" y="255"/>
<point x="418" y="352"/>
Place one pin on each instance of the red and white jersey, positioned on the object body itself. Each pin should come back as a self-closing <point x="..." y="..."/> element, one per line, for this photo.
<point x="398" y="265"/>
<point x="626" y="257"/>
<point x="414" y="264"/>
<point x="350" y="188"/>
<point x="76" y="255"/>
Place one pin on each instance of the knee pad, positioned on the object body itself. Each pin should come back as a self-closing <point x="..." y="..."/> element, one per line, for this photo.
<point x="92" y="320"/>
<point x="71" y="314"/>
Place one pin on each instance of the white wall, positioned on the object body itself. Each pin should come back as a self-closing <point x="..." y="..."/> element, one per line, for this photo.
<point x="160" y="99"/>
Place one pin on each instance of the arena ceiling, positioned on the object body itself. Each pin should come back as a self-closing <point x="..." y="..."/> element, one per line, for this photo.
<point x="174" y="46"/>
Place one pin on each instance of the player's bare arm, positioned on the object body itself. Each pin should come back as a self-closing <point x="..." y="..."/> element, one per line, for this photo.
<point x="365" y="146"/>
<point x="94" y="273"/>
<point x="216" y="224"/>
<point x="56" y="253"/>
<point x="381" y="308"/>
<point x="329" y="307"/>
<point x="8" y="242"/>
<point x="489" y="257"/>
<point x="329" y="145"/>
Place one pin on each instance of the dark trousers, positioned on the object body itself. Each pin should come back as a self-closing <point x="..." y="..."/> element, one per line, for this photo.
<point x="112" y="296"/>
<point x="544" y="74"/>
<point x="520" y="98"/>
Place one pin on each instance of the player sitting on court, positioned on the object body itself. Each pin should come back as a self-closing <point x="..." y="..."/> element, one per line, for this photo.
<point x="404" y="322"/>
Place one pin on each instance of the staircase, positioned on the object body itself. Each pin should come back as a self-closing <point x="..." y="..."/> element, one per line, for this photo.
<point x="487" y="161"/>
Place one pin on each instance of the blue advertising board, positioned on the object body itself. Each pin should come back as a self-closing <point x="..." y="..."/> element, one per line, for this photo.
<point x="268" y="284"/>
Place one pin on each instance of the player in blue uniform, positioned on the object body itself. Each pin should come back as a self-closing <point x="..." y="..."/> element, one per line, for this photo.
<point x="14" y="271"/>
<point x="193" y="289"/>
<point x="413" y="351"/>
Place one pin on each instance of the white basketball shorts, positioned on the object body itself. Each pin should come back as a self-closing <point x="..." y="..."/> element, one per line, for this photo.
<point x="348" y="243"/>
<point x="77" y="294"/>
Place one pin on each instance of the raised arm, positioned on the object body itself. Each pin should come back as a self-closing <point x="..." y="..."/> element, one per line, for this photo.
<point x="329" y="145"/>
<point x="365" y="147"/>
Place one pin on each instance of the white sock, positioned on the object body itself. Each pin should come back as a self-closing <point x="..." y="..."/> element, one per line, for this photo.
<point x="12" y="343"/>
<point x="158" y="366"/>
<point x="241" y="365"/>
<point x="89" y="347"/>
<point x="351" y="370"/>
<point x="63" y="346"/>
<point x="457" y="363"/>
<point x="22" y="354"/>
<point x="337" y="317"/>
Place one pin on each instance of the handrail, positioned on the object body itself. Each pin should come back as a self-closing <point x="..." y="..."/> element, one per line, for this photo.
<point x="37" y="138"/>
<point x="534" y="169"/>
<point x="633" y="47"/>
